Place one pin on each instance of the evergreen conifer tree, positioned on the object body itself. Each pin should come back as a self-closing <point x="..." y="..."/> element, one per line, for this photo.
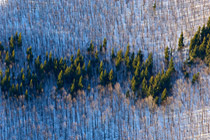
<point x="111" y="76"/>
<point x="80" y="85"/>
<point x="19" y="43"/>
<point x="60" y="80"/>
<point x="181" y="42"/>
<point x="163" y="95"/>
<point x="167" y="56"/>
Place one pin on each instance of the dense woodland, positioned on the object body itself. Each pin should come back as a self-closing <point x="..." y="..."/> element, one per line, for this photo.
<point x="75" y="74"/>
<point x="144" y="75"/>
<point x="90" y="85"/>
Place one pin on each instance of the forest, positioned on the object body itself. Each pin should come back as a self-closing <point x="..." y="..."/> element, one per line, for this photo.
<point x="104" y="69"/>
<point x="74" y="74"/>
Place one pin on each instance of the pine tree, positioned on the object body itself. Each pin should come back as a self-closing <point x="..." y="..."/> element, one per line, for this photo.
<point x="31" y="84"/>
<point x="16" y="37"/>
<point x="7" y="59"/>
<point x="127" y="53"/>
<point x="208" y="25"/>
<point x="101" y="67"/>
<point x="144" y="88"/>
<point x="127" y="94"/>
<point x="21" y="87"/>
<point x="80" y="85"/>
<point x="133" y="84"/>
<point x="195" y="41"/>
<point x="113" y="54"/>
<point x="96" y="57"/>
<point x="78" y="70"/>
<point x="105" y="77"/>
<point x="194" y="53"/>
<point x="73" y="86"/>
<point x="127" y="63"/>
<point x="1" y="75"/>
<point x="12" y="90"/>
<point x="120" y="55"/>
<point x="137" y="71"/>
<point x="127" y="57"/>
<point x="60" y="64"/>
<point x="117" y="63"/>
<point x="149" y="63"/>
<point x="140" y="56"/>
<point x="181" y="42"/>
<point x="67" y="74"/>
<point x="88" y="88"/>
<point x="83" y="69"/>
<point x="17" y="89"/>
<point x="195" y="78"/>
<point x="60" y="80"/>
<point x="89" y="69"/>
<point x="134" y="63"/>
<point x="203" y="33"/>
<point x="202" y="48"/>
<point x="132" y="58"/>
<point x="101" y="77"/>
<point x="171" y="65"/>
<point x="55" y="66"/>
<point x="23" y="78"/>
<point x="150" y="91"/>
<point x="151" y="80"/>
<point x="207" y="51"/>
<point x="163" y="95"/>
<point x="28" y="76"/>
<point x="22" y="70"/>
<point x="37" y="63"/>
<point x="46" y="56"/>
<point x="119" y="59"/>
<point x="46" y="68"/>
<point x="19" y="43"/>
<point x="166" y="56"/>
<point x="146" y="74"/>
<point x="105" y="44"/>
<point x="208" y="48"/>
<point x="78" y="53"/>
<point x="142" y="76"/>
<point x="156" y="85"/>
<point x="41" y="71"/>
<point x="72" y="59"/>
<point x="13" y="56"/>
<point x="26" y="94"/>
<point x="0" y="56"/>
<point x="111" y="76"/>
<point x="91" y="48"/>
<point x="11" y="44"/>
<point x="7" y="72"/>
<point x="29" y="55"/>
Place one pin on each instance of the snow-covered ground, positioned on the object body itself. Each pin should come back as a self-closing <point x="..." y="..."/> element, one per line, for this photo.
<point x="51" y="25"/>
<point x="2" y="1"/>
<point x="63" y="26"/>
<point x="107" y="115"/>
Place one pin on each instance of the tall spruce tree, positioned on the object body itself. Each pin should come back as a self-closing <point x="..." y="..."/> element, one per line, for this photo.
<point x="181" y="42"/>
<point x="111" y="76"/>
<point x="167" y="56"/>
<point x="60" y="80"/>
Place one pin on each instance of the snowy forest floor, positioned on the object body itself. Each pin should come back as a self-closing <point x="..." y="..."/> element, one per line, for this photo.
<point x="105" y="113"/>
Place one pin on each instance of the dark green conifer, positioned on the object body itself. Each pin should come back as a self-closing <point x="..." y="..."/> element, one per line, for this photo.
<point x="19" y="43"/>
<point x="181" y="42"/>
<point x="60" y="80"/>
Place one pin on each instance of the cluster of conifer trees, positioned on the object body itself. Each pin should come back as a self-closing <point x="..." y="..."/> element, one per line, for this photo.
<point x="200" y="44"/>
<point x="74" y="74"/>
